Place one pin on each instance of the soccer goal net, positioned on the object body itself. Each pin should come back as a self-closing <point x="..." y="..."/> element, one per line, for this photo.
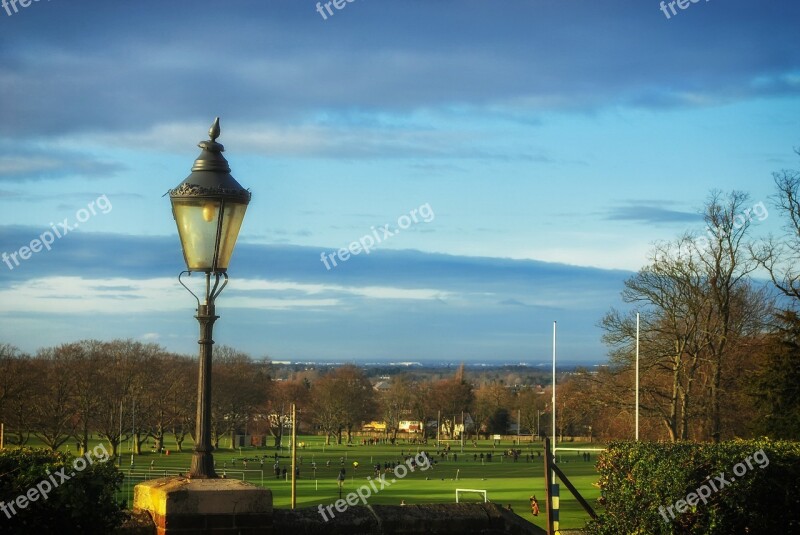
<point x="459" y="492"/>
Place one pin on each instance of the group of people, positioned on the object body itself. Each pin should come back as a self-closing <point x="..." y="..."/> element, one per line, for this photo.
<point x="282" y="472"/>
<point x="390" y="466"/>
<point x="516" y="454"/>
<point x="374" y="441"/>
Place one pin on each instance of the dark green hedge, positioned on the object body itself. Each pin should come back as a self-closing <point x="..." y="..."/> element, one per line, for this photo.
<point x="84" y="503"/>
<point x="640" y="481"/>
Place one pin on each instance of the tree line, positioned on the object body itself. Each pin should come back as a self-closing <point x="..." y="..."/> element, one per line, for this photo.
<point x="128" y="391"/>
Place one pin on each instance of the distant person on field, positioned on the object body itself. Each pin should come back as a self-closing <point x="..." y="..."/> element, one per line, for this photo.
<point x="534" y="506"/>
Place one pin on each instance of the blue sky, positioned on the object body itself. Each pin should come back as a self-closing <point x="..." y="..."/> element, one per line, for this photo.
<point x="553" y="141"/>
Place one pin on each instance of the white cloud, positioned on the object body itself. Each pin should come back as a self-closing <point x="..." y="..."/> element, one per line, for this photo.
<point x="372" y="292"/>
<point x="131" y="296"/>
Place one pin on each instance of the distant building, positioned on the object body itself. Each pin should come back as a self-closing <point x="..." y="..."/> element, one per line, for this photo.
<point x="374" y="426"/>
<point x="381" y="386"/>
<point x="410" y="426"/>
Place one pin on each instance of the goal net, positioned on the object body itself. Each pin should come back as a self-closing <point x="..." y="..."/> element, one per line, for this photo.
<point x="479" y="492"/>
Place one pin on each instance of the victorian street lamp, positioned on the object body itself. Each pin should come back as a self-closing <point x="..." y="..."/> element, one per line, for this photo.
<point x="208" y="208"/>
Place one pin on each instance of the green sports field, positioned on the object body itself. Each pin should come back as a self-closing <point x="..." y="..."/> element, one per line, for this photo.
<point x="505" y="481"/>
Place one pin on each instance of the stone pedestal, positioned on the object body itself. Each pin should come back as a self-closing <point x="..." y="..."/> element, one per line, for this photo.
<point x="181" y="506"/>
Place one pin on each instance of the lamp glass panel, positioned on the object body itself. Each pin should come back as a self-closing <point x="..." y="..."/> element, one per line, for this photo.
<point x="197" y="227"/>
<point x="232" y="218"/>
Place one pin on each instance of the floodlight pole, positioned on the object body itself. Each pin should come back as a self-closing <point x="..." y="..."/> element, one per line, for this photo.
<point x="554" y="387"/>
<point x="637" y="376"/>
<point x="294" y="455"/>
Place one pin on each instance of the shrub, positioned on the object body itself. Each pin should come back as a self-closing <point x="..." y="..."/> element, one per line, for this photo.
<point x="759" y="491"/>
<point x="84" y="503"/>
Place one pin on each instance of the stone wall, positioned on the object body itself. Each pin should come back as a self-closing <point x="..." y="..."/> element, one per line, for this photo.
<point x="435" y="519"/>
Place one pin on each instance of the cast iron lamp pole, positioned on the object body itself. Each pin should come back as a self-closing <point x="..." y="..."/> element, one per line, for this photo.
<point x="208" y="208"/>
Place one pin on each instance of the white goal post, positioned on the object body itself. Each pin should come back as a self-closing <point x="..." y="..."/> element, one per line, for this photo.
<point x="476" y="491"/>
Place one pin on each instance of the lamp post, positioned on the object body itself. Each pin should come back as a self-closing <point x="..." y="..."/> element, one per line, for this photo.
<point x="208" y="208"/>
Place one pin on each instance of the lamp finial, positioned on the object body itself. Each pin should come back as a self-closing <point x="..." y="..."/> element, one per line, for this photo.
<point x="213" y="132"/>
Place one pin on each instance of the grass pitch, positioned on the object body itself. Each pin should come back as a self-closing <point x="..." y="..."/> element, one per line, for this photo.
<point x="506" y="482"/>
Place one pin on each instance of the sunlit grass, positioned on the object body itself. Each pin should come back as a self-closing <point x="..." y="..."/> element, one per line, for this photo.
<point x="506" y="482"/>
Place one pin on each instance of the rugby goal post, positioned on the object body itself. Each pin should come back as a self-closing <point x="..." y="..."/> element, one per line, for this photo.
<point x="472" y="491"/>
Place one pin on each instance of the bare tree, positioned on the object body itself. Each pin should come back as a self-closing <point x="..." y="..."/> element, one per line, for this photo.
<point x="17" y="376"/>
<point x="114" y="418"/>
<point x="182" y="399"/>
<point x="452" y="397"/>
<point x="9" y="358"/>
<point x="396" y="402"/>
<point x="726" y="268"/>
<point x="530" y="403"/>
<point x="327" y="409"/>
<point x="422" y="404"/>
<point x="87" y="362"/>
<point x="239" y="385"/>
<point x="780" y="256"/>
<point x="163" y="378"/>
<point x="341" y="400"/>
<point x="489" y="399"/>
<point x="277" y="412"/>
<point x="54" y="404"/>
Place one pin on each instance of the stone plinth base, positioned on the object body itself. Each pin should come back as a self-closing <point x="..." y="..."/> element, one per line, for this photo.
<point x="181" y="506"/>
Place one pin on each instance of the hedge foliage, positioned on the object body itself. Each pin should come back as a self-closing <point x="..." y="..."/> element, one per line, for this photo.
<point x="83" y="504"/>
<point x="639" y="481"/>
